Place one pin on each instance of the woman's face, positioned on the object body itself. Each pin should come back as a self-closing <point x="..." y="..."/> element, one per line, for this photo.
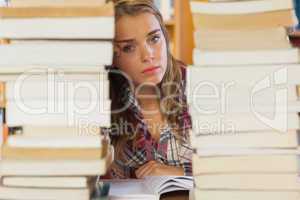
<point x="140" y="47"/>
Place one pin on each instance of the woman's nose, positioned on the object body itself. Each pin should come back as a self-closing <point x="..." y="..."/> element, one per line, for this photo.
<point x="147" y="53"/>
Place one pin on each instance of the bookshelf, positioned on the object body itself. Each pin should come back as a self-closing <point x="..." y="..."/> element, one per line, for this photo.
<point x="180" y="29"/>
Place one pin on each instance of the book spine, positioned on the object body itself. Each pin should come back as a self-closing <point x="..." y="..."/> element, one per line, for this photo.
<point x="37" y="12"/>
<point x="3" y="131"/>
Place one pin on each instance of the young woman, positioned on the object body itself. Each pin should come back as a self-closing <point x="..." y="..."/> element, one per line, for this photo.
<point x="150" y="122"/>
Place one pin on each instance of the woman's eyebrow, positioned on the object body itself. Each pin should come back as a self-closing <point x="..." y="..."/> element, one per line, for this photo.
<point x="124" y="41"/>
<point x="153" y="32"/>
<point x="132" y="40"/>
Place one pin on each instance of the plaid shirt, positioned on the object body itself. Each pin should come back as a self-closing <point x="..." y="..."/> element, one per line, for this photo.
<point x="168" y="150"/>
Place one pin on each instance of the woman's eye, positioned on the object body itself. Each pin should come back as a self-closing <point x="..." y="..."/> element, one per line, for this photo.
<point x="155" y="39"/>
<point x="128" y="48"/>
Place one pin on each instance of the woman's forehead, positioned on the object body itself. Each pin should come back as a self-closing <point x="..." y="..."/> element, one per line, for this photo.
<point x="129" y="27"/>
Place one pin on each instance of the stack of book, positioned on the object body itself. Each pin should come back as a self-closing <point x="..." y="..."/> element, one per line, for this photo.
<point x="55" y="94"/>
<point x="243" y="32"/>
<point x="243" y="98"/>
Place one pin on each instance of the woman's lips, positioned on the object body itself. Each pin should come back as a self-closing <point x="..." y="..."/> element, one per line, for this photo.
<point x="150" y="70"/>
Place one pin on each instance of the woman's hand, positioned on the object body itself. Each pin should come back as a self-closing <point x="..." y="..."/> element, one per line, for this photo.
<point x="154" y="168"/>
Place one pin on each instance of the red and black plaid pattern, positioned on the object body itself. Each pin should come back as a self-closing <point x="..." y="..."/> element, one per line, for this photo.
<point x="169" y="150"/>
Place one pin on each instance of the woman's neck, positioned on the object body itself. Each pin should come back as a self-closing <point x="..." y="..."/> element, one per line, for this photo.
<point x="148" y="97"/>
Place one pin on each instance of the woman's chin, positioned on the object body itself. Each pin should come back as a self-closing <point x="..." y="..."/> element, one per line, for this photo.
<point x="153" y="80"/>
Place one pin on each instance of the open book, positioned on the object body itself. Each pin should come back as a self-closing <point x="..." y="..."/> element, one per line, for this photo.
<point x="149" y="188"/>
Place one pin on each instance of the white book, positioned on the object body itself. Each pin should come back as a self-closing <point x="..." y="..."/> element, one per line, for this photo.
<point x="226" y="40"/>
<point x="57" y="28"/>
<point x="274" y="33"/>
<point x="236" y="122"/>
<point x="235" y="82"/>
<point x="46" y="182"/>
<point x="149" y="188"/>
<point x="7" y="72"/>
<point x="258" y="91"/>
<point x="241" y="7"/>
<point x="57" y="141"/>
<point x="289" y="139"/>
<point x="16" y="70"/>
<point x="54" y="131"/>
<point x="43" y="193"/>
<point x="253" y="181"/>
<point x="235" y="92"/>
<point x="56" y="53"/>
<point x="255" y="57"/>
<point x="250" y="21"/>
<point x="40" y="3"/>
<point x="213" y="152"/>
<point x="230" y="44"/>
<point x="238" y="97"/>
<point x="57" y="72"/>
<point x="250" y="75"/>
<point x="245" y="164"/>
<point x="52" y="167"/>
<point x="58" y="113"/>
<point x="53" y="89"/>
<point x="270" y="108"/>
<point x="245" y="195"/>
